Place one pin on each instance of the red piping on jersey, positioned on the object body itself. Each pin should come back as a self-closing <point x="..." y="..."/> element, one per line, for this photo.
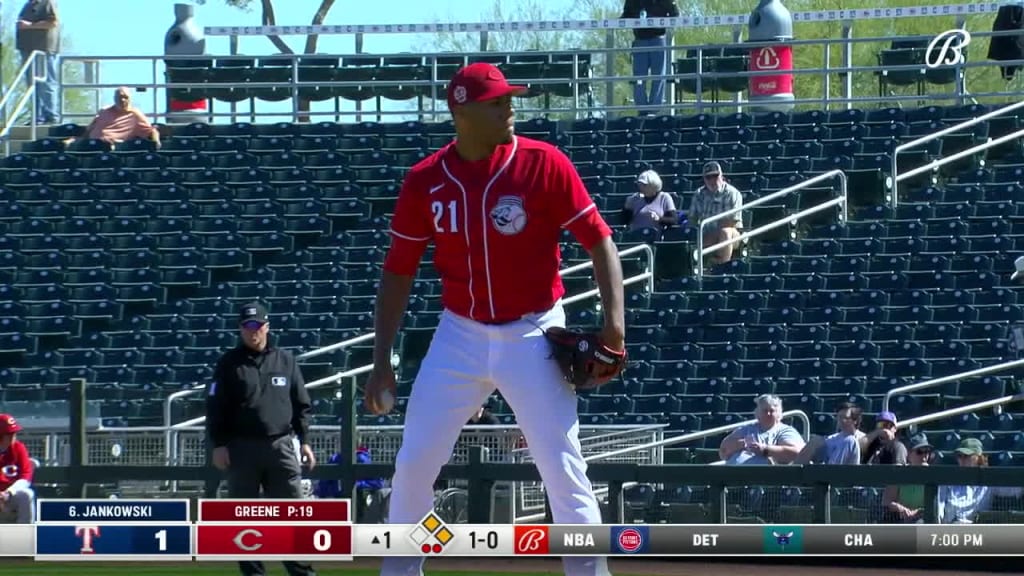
<point x="484" y="220"/>
<point x="465" y="232"/>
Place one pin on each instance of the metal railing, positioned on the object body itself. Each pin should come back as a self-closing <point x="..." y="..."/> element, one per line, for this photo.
<point x="648" y="276"/>
<point x="29" y="74"/>
<point x="600" y="75"/>
<point x="947" y="379"/>
<point x="681" y="439"/>
<point x="789" y="219"/>
<point x="974" y="407"/>
<point x="895" y="178"/>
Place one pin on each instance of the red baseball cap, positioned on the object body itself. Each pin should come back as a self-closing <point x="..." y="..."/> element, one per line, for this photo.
<point x="478" y="82"/>
<point x="8" y="425"/>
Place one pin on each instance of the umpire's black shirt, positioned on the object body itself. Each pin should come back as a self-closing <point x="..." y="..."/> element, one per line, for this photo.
<point x="257" y="395"/>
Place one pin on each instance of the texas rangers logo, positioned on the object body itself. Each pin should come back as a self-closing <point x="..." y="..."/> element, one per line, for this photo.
<point x="508" y="215"/>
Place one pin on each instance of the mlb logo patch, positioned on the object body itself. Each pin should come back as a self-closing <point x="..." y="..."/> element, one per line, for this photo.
<point x="630" y="539"/>
<point x="278" y="381"/>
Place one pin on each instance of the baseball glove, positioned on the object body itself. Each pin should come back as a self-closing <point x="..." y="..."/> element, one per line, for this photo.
<point x="585" y="362"/>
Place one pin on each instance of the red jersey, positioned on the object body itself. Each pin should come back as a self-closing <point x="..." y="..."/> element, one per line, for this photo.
<point x="14" y="465"/>
<point x="495" y="225"/>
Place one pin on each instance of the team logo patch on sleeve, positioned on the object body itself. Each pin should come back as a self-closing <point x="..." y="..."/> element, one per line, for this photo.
<point x="508" y="215"/>
<point x="279" y="381"/>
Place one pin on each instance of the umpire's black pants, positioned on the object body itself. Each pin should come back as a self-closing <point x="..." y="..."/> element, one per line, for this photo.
<point x="273" y="465"/>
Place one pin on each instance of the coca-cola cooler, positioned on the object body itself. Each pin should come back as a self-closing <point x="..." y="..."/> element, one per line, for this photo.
<point x="185" y="38"/>
<point x="771" y="22"/>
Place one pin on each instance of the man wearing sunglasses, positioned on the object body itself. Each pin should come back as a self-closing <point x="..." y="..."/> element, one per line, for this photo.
<point x="255" y="404"/>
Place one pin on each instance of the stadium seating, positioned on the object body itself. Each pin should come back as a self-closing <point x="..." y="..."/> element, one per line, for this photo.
<point x="124" y="266"/>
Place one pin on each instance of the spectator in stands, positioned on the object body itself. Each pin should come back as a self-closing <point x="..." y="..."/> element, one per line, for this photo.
<point x="483" y="417"/>
<point x="650" y="58"/>
<point x="38" y="29"/>
<point x="961" y="504"/>
<point x="649" y="207"/>
<point x="121" y="122"/>
<point x="17" y="499"/>
<point x="881" y="446"/>
<point x="905" y="504"/>
<point x="768" y="441"/>
<point x="332" y="488"/>
<point x="715" y="197"/>
<point x="841" y="447"/>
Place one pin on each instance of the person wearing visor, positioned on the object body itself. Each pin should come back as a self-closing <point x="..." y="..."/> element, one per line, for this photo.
<point x="256" y="404"/>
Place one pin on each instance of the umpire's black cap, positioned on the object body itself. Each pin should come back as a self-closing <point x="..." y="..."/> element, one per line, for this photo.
<point x="253" y="312"/>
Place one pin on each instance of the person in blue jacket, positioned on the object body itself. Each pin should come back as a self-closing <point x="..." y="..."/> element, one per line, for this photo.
<point x="332" y="488"/>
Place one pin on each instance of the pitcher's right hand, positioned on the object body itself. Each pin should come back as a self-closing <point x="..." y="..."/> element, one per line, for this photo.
<point x="382" y="378"/>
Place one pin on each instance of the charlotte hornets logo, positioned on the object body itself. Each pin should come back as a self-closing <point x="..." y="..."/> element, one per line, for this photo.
<point x="508" y="215"/>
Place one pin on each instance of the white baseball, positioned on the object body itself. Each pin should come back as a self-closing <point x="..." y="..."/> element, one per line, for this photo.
<point x="386" y="400"/>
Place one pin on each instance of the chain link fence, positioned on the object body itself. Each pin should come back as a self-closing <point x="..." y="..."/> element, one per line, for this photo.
<point x="187" y="447"/>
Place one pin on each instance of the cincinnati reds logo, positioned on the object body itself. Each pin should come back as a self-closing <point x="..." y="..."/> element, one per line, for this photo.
<point x="508" y="215"/>
<point x="10" y="470"/>
<point x="239" y="540"/>
<point x="460" y="94"/>
<point x="531" y="540"/>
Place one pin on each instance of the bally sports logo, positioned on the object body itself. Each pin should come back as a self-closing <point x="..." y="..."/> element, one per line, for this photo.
<point x="532" y="539"/>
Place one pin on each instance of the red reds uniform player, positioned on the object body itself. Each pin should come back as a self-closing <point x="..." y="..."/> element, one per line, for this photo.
<point x="494" y="205"/>
<point x="16" y="495"/>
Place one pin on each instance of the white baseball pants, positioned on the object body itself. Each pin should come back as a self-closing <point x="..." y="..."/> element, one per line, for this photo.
<point x="20" y="508"/>
<point x="466" y="361"/>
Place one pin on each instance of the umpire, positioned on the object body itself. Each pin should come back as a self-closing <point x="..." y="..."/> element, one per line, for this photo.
<point x="256" y="401"/>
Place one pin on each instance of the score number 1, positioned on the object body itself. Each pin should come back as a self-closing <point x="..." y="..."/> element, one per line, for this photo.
<point x="161" y="540"/>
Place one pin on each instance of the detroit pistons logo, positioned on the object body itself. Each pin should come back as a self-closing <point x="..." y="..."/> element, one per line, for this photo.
<point x="508" y="215"/>
<point x="10" y="471"/>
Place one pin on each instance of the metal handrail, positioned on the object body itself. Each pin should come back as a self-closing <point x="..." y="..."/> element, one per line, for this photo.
<point x="648" y="275"/>
<point x="897" y="178"/>
<point x="28" y="69"/>
<point x="799" y="414"/>
<point x="789" y="219"/>
<point x="946" y="379"/>
<point x="913" y="422"/>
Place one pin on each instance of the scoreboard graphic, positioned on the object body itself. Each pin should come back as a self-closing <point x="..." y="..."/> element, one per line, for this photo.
<point x="321" y="530"/>
<point x="110" y="530"/>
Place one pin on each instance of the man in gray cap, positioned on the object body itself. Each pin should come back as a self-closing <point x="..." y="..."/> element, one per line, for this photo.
<point x="715" y="197"/>
<point x="257" y="404"/>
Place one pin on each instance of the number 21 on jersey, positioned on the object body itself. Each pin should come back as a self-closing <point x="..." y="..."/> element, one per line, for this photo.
<point x="438" y="208"/>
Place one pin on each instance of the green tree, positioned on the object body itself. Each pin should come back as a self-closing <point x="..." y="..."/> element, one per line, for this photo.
<point x="76" y="101"/>
<point x="269" y="18"/>
<point x="980" y="80"/>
